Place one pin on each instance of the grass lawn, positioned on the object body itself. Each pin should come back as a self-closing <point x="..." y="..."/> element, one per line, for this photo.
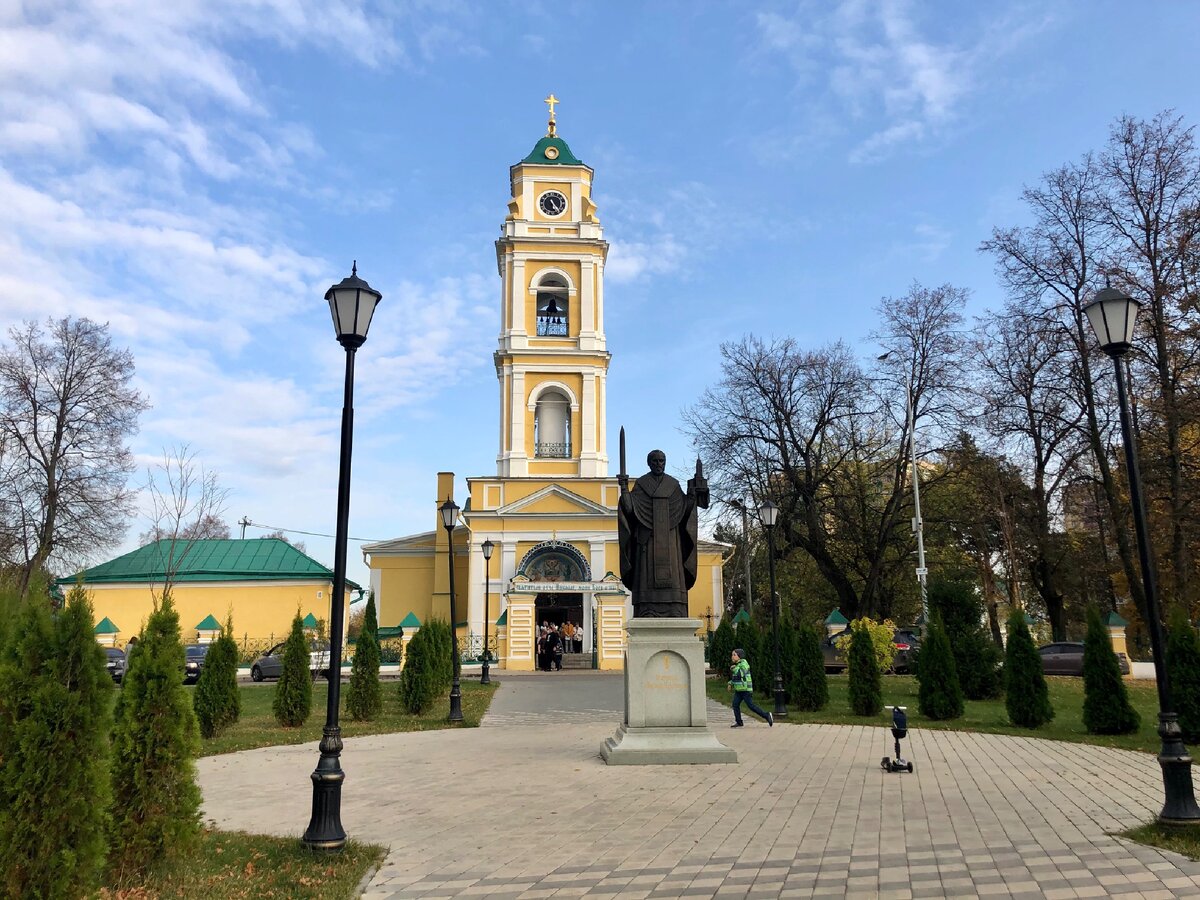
<point x="257" y="726"/>
<point x="1066" y="696"/>
<point x="230" y="864"/>
<point x="1178" y="840"/>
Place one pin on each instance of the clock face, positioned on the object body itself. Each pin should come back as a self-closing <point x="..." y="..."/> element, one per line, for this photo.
<point x="552" y="203"/>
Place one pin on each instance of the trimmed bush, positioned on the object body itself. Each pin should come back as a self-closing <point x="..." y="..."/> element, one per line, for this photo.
<point x="1106" y="707"/>
<point x="1025" y="694"/>
<point x="720" y="645"/>
<point x="364" y="696"/>
<point x="55" y="722"/>
<point x="866" y="692"/>
<point x="939" y="696"/>
<point x="293" y="694"/>
<point x="216" y="701"/>
<point x="810" y="690"/>
<point x="156" y="803"/>
<point x="419" y="681"/>
<point x="1183" y="672"/>
<point x="976" y="656"/>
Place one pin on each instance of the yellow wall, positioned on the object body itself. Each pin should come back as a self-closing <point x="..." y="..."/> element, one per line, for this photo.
<point x="405" y="585"/>
<point x="260" y="611"/>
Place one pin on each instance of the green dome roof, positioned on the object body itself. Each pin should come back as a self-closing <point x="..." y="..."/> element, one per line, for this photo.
<point x="561" y="157"/>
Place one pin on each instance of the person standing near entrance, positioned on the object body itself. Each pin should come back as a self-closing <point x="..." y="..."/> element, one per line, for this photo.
<point x="742" y="685"/>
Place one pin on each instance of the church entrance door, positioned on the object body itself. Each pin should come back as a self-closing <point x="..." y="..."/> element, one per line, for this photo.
<point x="557" y="609"/>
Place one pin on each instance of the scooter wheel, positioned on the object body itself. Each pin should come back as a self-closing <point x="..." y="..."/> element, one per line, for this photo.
<point x="885" y="763"/>
<point x="910" y="768"/>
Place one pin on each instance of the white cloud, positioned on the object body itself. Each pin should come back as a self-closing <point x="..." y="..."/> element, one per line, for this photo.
<point x="892" y="83"/>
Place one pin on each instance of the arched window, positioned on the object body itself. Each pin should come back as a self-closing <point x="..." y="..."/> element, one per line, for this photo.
<point x="552" y="426"/>
<point x="552" y="306"/>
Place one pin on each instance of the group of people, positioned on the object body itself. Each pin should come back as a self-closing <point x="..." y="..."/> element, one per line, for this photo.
<point x="553" y="641"/>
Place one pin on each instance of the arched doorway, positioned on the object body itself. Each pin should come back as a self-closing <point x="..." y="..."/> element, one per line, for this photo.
<point x="562" y="577"/>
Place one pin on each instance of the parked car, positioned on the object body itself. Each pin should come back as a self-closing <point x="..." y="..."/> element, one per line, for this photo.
<point x="193" y="661"/>
<point x="905" y="640"/>
<point x="1066" y="658"/>
<point x="116" y="663"/>
<point x="270" y="664"/>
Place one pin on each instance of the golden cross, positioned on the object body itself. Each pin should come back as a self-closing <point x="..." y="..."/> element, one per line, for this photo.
<point x="550" y="101"/>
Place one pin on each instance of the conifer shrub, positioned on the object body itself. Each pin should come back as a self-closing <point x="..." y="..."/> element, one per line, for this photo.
<point x="364" y="696"/>
<point x="1183" y="672"/>
<point x="419" y="680"/>
<point x="1025" y="695"/>
<point x="216" y="701"/>
<point x="292" y="703"/>
<point x="156" y="803"/>
<point x="940" y="696"/>
<point x="866" y="691"/>
<point x="720" y="645"/>
<point x="55" y="722"/>
<point x="810" y="690"/>
<point x="1106" y="707"/>
<point x="976" y="656"/>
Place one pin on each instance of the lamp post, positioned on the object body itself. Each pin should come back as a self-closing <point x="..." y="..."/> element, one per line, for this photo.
<point x="487" y="549"/>
<point x="1112" y="314"/>
<point x="352" y="302"/>
<point x="449" y="511"/>
<point x="768" y="514"/>
<point x="918" y="524"/>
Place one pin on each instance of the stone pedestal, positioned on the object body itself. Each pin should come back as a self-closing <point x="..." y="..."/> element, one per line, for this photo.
<point x="666" y="721"/>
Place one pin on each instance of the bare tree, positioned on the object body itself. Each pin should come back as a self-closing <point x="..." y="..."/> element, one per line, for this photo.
<point x="66" y="412"/>
<point x="278" y="533"/>
<point x="1053" y="267"/>
<point x="1034" y="413"/>
<point x="1150" y="200"/>
<point x="185" y="499"/>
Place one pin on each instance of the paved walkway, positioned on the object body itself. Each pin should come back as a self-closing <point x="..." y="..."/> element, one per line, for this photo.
<point x="524" y="807"/>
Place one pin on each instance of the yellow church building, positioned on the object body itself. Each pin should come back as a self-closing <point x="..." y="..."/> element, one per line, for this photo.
<point x="550" y="509"/>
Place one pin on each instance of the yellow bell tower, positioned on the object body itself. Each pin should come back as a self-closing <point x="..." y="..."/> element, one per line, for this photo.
<point x="552" y="361"/>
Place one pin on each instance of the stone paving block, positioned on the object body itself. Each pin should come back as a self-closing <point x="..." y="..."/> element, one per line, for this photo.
<point x="805" y="811"/>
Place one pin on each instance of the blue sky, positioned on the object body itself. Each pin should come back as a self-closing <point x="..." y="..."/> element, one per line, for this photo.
<point x="198" y="173"/>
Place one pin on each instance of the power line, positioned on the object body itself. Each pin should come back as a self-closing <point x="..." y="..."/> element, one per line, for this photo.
<point x="246" y="522"/>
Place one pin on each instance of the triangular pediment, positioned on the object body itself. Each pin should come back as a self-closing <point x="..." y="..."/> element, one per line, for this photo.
<point x="554" y="500"/>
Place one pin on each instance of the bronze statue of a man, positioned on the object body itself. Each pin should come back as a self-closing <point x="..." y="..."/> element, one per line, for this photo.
<point x="656" y="527"/>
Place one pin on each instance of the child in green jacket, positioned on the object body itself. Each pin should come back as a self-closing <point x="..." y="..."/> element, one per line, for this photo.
<point x="742" y="685"/>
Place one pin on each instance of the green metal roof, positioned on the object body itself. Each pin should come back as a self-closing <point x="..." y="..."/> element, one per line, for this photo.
<point x="410" y="621"/>
<point x="310" y="621"/>
<point x="106" y="626"/>
<point x="209" y="624"/>
<point x="836" y="618"/>
<point x="253" y="559"/>
<point x="390" y="631"/>
<point x="742" y="616"/>
<point x="503" y="620"/>
<point x="565" y="157"/>
<point x="1114" y="620"/>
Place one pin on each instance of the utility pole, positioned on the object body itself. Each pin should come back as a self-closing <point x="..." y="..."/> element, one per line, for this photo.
<point x="244" y="522"/>
<point x="917" y="523"/>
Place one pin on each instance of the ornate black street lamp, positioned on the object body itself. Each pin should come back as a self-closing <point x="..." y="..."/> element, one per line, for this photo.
<point x="352" y="303"/>
<point x="768" y="514"/>
<point x="1113" y="313"/>
<point x="449" y="511"/>
<point x="487" y="549"/>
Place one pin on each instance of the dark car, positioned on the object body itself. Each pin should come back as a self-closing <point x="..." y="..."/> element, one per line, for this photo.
<point x="270" y="664"/>
<point x="193" y="661"/>
<point x="905" y="640"/>
<point x="116" y="663"/>
<point x="1066" y="658"/>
